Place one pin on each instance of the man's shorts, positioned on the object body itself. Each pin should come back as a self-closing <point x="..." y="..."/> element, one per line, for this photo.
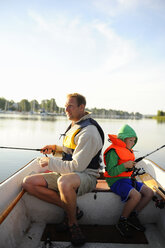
<point x="87" y="182"/>
<point x="123" y="188"/>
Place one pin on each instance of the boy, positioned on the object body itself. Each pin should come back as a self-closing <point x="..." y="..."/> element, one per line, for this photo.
<point x="119" y="158"/>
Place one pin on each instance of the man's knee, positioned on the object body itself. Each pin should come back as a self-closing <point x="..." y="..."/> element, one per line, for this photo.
<point x="67" y="183"/>
<point x="63" y="185"/>
<point x="31" y="181"/>
<point x="26" y="183"/>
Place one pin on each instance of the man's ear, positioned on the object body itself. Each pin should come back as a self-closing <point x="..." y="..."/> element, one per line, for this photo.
<point x="82" y="107"/>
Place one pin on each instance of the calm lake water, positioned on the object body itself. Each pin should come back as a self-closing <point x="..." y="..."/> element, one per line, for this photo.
<point x="35" y="131"/>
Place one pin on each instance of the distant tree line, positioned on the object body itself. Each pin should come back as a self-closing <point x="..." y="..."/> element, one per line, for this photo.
<point x="160" y="117"/>
<point x="160" y="113"/>
<point x="50" y="106"/>
<point x="110" y="113"/>
<point x="25" y="106"/>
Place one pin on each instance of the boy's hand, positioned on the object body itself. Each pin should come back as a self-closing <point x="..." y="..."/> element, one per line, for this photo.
<point x="129" y="164"/>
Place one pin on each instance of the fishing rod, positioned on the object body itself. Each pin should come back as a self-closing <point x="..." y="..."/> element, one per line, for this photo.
<point x="20" y="148"/>
<point x="139" y="159"/>
<point x="141" y="171"/>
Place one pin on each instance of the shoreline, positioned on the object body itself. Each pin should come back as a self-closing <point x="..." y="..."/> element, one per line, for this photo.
<point x="48" y="115"/>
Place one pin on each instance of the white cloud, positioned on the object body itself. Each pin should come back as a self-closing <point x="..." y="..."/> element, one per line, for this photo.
<point x="92" y="46"/>
<point x="59" y="53"/>
<point x="119" y="51"/>
<point x="39" y="20"/>
<point x="115" y="8"/>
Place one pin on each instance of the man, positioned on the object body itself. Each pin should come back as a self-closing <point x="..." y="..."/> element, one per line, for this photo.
<point x="76" y="173"/>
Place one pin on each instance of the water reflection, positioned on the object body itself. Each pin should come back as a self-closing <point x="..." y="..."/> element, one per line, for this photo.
<point x="29" y="117"/>
<point x="35" y="132"/>
<point x="161" y="121"/>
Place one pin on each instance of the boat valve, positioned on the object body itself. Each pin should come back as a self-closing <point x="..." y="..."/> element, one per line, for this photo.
<point x="159" y="203"/>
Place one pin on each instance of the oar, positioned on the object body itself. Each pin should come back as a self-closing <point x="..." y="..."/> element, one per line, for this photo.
<point x="6" y="212"/>
<point x="139" y="159"/>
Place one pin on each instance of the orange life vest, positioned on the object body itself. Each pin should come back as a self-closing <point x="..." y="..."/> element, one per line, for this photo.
<point x="124" y="155"/>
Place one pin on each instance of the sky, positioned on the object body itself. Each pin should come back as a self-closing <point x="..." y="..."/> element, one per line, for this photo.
<point x="111" y="51"/>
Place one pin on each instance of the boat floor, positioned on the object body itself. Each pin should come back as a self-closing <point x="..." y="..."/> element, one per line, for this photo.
<point x="95" y="234"/>
<point x="34" y="237"/>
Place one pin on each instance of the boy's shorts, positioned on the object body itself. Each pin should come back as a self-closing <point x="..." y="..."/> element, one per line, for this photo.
<point x="87" y="182"/>
<point x="123" y="188"/>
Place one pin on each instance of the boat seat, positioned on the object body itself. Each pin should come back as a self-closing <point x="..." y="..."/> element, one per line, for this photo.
<point x="102" y="186"/>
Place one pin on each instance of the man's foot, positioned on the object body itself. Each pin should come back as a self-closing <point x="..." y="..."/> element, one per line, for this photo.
<point x="124" y="228"/>
<point x="63" y="226"/>
<point x="134" y="222"/>
<point x="77" y="237"/>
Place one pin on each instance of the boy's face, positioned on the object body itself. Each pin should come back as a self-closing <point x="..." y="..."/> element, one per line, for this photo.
<point x="130" y="142"/>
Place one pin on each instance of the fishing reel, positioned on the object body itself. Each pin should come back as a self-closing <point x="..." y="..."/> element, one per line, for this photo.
<point x="138" y="171"/>
<point x="159" y="203"/>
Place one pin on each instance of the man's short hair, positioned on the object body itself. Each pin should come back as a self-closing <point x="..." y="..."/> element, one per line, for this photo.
<point x="80" y="98"/>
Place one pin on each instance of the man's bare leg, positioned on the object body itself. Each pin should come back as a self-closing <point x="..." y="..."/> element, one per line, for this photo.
<point x="36" y="185"/>
<point x="68" y="184"/>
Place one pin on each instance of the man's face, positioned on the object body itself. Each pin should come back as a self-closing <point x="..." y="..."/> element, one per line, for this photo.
<point x="73" y="111"/>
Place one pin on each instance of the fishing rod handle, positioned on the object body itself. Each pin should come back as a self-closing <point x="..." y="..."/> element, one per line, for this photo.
<point x="138" y="159"/>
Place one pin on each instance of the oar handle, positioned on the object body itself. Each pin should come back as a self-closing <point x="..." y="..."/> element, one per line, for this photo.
<point x="6" y="212"/>
<point x="159" y="192"/>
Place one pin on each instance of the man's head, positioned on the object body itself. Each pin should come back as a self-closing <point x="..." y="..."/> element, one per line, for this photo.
<point x="75" y="106"/>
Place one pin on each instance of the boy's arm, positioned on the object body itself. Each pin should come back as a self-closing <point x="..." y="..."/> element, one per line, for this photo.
<point x="112" y="166"/>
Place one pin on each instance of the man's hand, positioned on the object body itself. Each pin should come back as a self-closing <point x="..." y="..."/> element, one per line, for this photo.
<point x="129" y="164"/>
<point x="44" y="161"/>
<point x="48" y="149"/>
